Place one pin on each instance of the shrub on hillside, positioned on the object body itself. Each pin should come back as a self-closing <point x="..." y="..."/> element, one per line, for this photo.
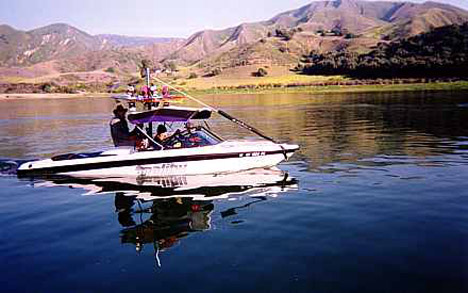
<point x="284" y="34"/>
<point x="442" y="52"/>
<point x="260" y="72"/>
<point x="171" y="65"/>
<point x="48" y="87"/>
<point x="215" y="72"/>
<point x="110" y="70"/>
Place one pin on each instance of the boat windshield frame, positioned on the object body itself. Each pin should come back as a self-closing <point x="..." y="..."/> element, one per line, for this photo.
<point x="198" y="136"/>
<point x="169" y="114"/>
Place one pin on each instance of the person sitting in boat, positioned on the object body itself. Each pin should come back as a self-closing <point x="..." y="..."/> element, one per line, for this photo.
<point x="188" y="138"/>
<point x="120" y="133"/>
<point x="153" y="89"/>
<point x="130" y="90"/>
<point x="141" y="141"/>
<point x="190" y="127"/>
<point x="163" y="138"/>
<point x="165" y="94"/>
<point x="192" y="137"/>
<point x="145" y="91"/>
<point x="161" y="134"/>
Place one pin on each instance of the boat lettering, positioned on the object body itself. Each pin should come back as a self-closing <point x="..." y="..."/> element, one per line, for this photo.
<point x="252" y="154"/>
<point x="161" y="169"/>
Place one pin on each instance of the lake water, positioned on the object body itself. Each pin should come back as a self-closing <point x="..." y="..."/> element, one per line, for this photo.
<point x="376" y="200"/>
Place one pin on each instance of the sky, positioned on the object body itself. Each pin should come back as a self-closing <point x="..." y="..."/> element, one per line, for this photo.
<point x="156" y="18"/>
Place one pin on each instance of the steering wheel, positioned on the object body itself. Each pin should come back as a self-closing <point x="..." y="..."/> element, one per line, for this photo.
<point x="177" y="137"/>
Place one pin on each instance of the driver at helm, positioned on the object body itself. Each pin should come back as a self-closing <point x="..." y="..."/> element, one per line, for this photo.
<point x="162" y="137"/>
<point x="161" y="134"/>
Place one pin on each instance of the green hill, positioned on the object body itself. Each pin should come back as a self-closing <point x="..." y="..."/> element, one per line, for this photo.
<point x="440" y="52"/>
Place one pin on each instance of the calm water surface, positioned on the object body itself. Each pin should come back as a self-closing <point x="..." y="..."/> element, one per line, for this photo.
<point x="376" y="200"/>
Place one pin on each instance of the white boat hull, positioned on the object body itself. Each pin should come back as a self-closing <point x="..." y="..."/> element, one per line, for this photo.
<point x="231" y="165"/>
<point x="226" y="157"/>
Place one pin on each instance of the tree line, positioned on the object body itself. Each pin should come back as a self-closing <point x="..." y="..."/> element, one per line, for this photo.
<point x="442" y="52"/>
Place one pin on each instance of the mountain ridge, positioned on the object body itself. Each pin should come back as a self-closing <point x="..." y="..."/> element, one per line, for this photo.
<point x="61" y="40"/>
<point x="400" y="19"/>
<point x="318" y="26"/>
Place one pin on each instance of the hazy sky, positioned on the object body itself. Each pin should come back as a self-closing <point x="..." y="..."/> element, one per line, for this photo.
<point x="177" y="18"/>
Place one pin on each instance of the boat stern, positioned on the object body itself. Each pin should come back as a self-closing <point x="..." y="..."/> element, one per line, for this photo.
<point x="289" y="149"/>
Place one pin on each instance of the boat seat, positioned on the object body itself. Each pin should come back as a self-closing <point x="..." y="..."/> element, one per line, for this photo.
<point x="118" y="151"/>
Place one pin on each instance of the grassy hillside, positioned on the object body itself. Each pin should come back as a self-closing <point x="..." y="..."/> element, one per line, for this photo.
<point x="441" y="52"/>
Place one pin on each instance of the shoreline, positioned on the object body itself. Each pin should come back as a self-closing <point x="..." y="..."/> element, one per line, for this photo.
<point x="18" y="96"/>
<point x="286" y="89"/>
<point x="337" y="89"/>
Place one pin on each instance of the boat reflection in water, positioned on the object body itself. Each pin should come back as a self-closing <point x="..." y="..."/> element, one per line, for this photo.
<point x="161" y="211"/>
<point x="160" y="223"/>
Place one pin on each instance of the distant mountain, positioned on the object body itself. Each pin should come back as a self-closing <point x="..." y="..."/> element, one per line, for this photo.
<point x="322" y="26"/>
<point x="370" y="22"/>
<point x="127" y="41"/>
<point x="11" y="41"/>
<point x="62" y="41"/>
<point x="207" y="42"/>
<point x="44" y="44"/>
<point x="411" y="19"/>
<point x="359" y="16"/>
<point x="356" y="16"/>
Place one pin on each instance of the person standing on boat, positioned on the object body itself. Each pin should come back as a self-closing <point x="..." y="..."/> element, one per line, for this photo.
<point x="120" y="133"/>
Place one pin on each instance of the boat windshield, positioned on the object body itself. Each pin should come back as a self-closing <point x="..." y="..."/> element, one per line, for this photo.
<point x="196" y="137"/>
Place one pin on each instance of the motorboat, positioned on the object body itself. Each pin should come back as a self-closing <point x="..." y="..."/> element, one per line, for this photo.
<point x="191" y="150"/>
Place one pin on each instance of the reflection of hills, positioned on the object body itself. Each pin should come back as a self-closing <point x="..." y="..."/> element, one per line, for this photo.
<point x="347" y="127"/>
